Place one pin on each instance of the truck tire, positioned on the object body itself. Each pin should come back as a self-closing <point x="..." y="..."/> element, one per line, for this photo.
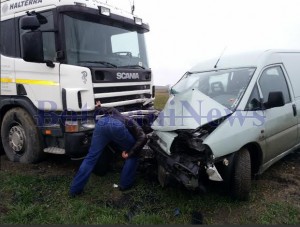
<point x="241" y="175"/>
<point x="1" y="148"/>
<point x="20" y="137"/>
<point x="1" y="145"/>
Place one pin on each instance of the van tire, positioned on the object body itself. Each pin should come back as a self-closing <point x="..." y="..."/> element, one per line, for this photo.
<point x="20" y="137"/>
<point x="241" y="175"/>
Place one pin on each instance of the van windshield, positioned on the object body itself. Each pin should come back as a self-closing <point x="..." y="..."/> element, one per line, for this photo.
<point x="224" y="86"/>
<point x="92" y="41"/>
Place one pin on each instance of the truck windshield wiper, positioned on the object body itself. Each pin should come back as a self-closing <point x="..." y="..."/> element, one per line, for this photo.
<point x="105" y="63"/>
<point x="132" y="66"/>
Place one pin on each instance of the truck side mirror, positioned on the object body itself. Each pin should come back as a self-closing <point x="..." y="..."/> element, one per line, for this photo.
<point x="32" y="41"/>
<point x="275" y="99"/>
<point x="32" y="46"/>
<point x="30" y="23"/>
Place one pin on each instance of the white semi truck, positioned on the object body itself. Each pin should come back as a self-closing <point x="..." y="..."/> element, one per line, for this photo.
<point x="58" y="58"/>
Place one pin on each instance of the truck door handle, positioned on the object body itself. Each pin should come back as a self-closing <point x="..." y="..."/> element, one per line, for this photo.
<point x="295" y="110"/>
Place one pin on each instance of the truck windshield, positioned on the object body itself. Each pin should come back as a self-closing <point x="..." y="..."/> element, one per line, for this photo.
<point x="96" y="42"/>
<point x="224" y="86"/>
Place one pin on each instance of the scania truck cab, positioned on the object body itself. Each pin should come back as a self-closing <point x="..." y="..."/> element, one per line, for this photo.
<point x="58" y="58"/>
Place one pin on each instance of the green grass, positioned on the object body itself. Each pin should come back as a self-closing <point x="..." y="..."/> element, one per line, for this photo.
<point x="33" y="199"/>
<point x="280" y="213"/>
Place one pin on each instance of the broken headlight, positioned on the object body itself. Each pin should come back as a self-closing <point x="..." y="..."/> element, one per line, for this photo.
<point x="196" y="143"/>
<point x="79" y="125"/>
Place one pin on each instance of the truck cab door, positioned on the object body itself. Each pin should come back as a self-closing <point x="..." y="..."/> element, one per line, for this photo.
<point x="280" y="122"/>
<point x="7" y="50"/>
<point x="41" y="82"/>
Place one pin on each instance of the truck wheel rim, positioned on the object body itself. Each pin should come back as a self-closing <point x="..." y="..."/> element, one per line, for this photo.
<point x="17" y="138"/>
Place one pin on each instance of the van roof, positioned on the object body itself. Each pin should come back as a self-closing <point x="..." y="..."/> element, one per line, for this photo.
<point x="245" y="59"/>
<point x="11" y="7"/>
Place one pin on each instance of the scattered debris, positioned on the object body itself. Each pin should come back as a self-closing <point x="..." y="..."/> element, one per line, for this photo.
<point x="133" y="210"/>
<point x="3" y="210"/>
<point x="197" y="218"/>
<point x="119" y="202"/>
<point x="176" y="212"/>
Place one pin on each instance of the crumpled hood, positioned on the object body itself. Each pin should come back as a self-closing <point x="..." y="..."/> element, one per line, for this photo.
<point x="189" y="110"/>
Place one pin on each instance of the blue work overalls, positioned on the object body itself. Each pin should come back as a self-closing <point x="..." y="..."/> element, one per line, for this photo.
<point x="107" y="130"/>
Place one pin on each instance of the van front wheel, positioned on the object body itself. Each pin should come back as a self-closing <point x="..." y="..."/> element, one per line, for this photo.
<point x="20" y="137"/>
<point x="241" y="175"/>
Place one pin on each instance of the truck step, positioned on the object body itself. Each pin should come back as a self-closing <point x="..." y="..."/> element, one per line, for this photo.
<point x="54" y="150"/>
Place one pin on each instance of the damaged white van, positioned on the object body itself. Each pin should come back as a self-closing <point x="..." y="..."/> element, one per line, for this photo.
<point x="229" y="119"/>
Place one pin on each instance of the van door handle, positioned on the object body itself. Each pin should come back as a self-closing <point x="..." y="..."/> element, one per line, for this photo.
<point x="295" y="110"/>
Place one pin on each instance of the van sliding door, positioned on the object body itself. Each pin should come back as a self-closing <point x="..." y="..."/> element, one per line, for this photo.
<point x="280" y="122"/>
<point x="291" y="64"/>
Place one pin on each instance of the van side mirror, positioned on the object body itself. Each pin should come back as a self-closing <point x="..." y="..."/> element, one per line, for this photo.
<point x="275" y="99"/>
<point x="32" y="46"/>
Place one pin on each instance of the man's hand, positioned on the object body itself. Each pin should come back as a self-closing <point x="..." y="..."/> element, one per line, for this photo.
<point x="98" y="104"/>
<point x="124" y="155"/>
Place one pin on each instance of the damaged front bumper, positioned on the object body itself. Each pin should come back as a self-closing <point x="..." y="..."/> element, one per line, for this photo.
<point x="178" y="161"/>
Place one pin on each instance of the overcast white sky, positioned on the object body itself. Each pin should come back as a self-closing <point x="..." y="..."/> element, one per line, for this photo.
<point x="182" y="33"/>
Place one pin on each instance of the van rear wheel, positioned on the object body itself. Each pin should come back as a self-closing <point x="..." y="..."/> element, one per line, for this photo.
<point x="20" y="137"/>
<point x="241" y="175"/>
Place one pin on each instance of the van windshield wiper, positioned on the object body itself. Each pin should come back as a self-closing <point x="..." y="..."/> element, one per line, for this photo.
<point x="105" y="63"/>
<point x="132" y="66"/>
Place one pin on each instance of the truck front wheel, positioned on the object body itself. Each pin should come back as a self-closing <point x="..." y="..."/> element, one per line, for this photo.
<point x="241" y="175"/>
<point x="20" y="137"/>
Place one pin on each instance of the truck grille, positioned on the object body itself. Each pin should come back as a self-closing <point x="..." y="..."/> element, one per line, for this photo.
<point x="123" y="98"/>
<point x="120" y="89"/>
<point x="113" y="90"/>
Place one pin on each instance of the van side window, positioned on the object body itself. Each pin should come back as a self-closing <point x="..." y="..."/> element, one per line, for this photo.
<point x="254" y="101"/>
<point x="47" y="23"/>
<point x="272" y="80"/>
<point x="7" y="40"/>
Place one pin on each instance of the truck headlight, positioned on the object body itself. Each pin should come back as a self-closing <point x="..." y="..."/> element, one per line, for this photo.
<point x="79" y="125"/>
<point x="71" y="126"/>
<point x="89" y="124"/>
